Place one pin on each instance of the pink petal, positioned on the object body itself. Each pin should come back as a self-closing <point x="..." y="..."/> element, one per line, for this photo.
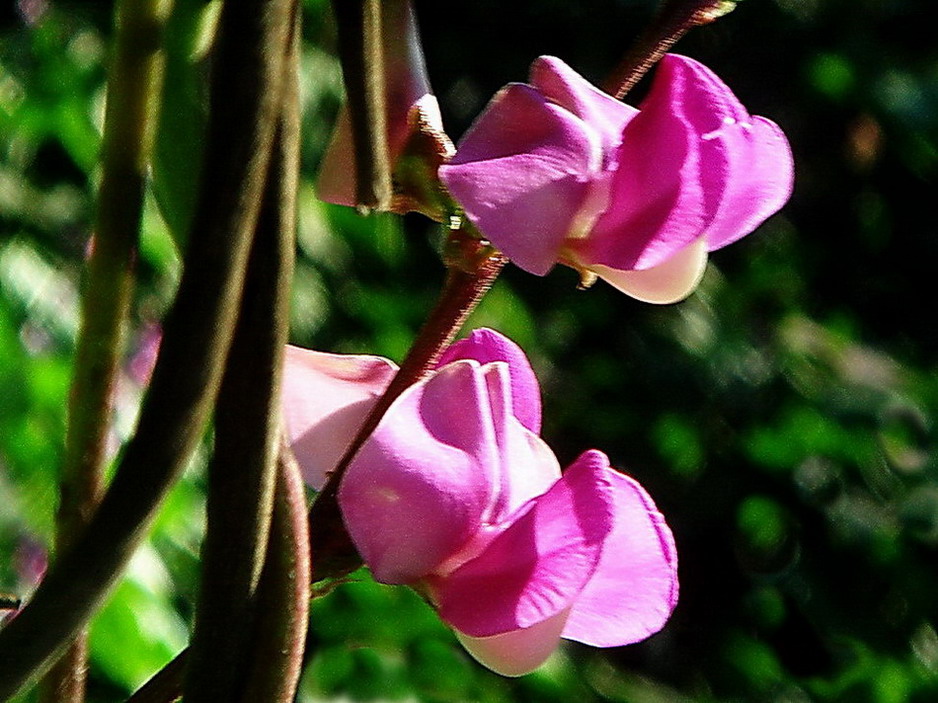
<point x="765" y="157"/>
<point x="522" y="173"/>
<point x="325" y="398"/>
<point x="485" y="346"/>
<point x="746" y="162"/>
<point x="527" y="466"/>
<point x="658" y="204"/>
<point x="517" y="652"/>
<point x="634" y="588"/>
<point x="419" y="487"/>
<point x="537" y="566"/>
<point x="564" y="86"/>
<point x="668" y="282"/>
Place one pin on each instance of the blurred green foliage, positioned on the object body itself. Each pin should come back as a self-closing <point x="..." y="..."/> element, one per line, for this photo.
<point x="783" y="417"/>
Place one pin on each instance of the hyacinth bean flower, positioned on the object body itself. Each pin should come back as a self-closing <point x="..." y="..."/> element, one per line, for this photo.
<point x="456" y="495"/>
<point x="558" y="171"/>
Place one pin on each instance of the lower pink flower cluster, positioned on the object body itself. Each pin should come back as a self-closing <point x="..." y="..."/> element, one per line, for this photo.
<point x="456" y="495"/>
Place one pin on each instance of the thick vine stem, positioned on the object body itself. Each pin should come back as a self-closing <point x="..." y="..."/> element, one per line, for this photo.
<point x="245" y="102"/>
<point x="241" y="474"/>
<point x="283" y="598"/>
<point x="472" y="267"/>
<point x="134" y="86"/>
<point x="362" y="56"/>
<point x="283" y="594"/>
<point x="673" y="21"/>
<point x="165" y="686"/>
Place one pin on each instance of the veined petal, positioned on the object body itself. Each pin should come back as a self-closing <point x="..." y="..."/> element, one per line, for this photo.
<point x="527" y="466"/>
<point x="658" y="204"/>
<point x="746" y="168"/>
<point x="634" y="588"/>
<point x="522" y="173"/>
<point x="518" y="652"/>
<point x="668" y="282"/>
<point x="419" y="487"/>
<point x="538" y="565"/>
<point x="564" y="86"/>
<point x="325" y="398"/>
<point x="761" y="185"/>
<point x="485" y="346"/>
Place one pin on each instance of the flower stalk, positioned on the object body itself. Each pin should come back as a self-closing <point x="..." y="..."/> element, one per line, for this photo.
<point x="134" y="86"/>
<point x="245" y="103"/>
<point x="283" y="597"/>
<point x="361" y="49"/>
<point x="241" y="474"/>
<point x="674" y="19"/>
<point x="472" y="267"/>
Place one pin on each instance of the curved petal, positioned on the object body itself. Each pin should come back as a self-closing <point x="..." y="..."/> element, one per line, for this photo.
<point x="517" y="652"/>
<point x="527" y="466"/>
<point x="668" y="282"/>
<point x="634" y="588"/>
<point x="418" y="489"/>
<point x="570" y="90"/>
<point x="746" y="165"/>
<point x="765" y="157"/>
<point x="658" y="204"/>
<point x="522" y="173"/>
<point x="486" y="346"/>
<point x="538" y="565"/>
<point x="325" y="398"/>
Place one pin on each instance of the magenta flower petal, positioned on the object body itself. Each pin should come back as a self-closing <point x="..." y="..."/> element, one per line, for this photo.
<point x="567" y="88"/>
<point x="420" y="486"/>
<point x="658" y="204"/>
<point x="325" y="398"/>
<point x="691" y="166"/>
<point x="522" y="173"/>
<point x="637" y="571"/>
<point x="538" y="565"/>
<point x="746" y="163"/>
<point x="485" y="346"/>
<point x="527" y="466"/>
<point x="764" y="154"/>
<point x="699" y="165"/>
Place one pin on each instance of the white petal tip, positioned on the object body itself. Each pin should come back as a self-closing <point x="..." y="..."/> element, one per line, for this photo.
<point x="668" y="282"/>
<point x="517" y="652"/>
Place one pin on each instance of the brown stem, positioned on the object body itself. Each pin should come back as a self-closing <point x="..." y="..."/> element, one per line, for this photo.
<point x="360" y="49"/>
<point x="134" y="81"/>
<point x="245" y="102"/>
<point x="673" y="21"/>
<point x="241" y="474"/>
<point x="165" y="686"/>
<point x="283" y="597"/>
<point x="333" y="552"/>
<point x="283" y="594"/>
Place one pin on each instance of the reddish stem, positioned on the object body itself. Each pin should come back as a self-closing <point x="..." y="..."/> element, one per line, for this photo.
<point x="673" y="21"/>
<point x="472" y="270"/>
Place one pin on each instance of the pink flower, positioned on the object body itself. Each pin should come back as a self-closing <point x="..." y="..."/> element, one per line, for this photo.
<point x="456" y="495"/>
<point x="558" y="171"/>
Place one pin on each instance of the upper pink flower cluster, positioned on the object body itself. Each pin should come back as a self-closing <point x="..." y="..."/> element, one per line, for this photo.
<point x="558" y="171"/>
<point x="457" y="495"/>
